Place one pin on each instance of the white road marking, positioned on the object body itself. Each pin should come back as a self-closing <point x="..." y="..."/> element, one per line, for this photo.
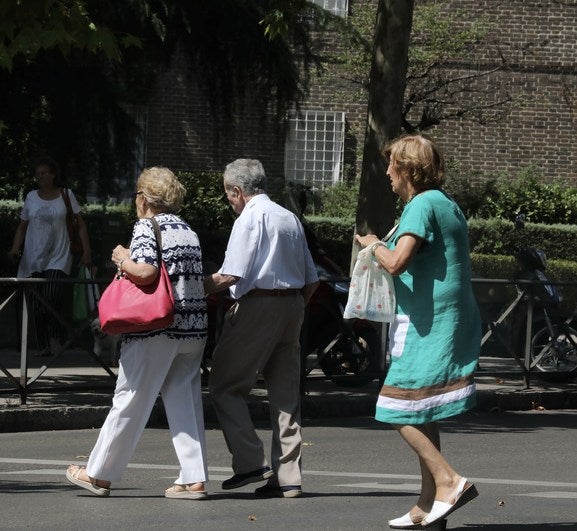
<point x="318" y="473"/>
<point x="552" y="494"/>
<point x="383" y="486"/>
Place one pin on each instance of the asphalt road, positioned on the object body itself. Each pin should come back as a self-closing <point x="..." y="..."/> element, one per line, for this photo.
<point x="358" y="474"/>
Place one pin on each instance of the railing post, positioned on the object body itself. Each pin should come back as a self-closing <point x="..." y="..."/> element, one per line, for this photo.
<point x="528" y="337"/>
<point x="24" y="350"/>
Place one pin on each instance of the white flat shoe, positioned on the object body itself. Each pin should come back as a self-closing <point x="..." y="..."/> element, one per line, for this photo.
<point x="464" y="493"/>
<point x="404" y="522"/>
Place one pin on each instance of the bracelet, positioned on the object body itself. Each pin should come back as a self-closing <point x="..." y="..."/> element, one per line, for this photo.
<point x="375" y="245"/>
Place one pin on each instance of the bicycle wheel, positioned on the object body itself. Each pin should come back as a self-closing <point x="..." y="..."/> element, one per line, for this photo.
<point x="555" y="357"/>
<point x="351" y="362"/>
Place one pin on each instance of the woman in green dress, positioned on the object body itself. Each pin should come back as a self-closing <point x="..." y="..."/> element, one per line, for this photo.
<point x="435" y="336"/>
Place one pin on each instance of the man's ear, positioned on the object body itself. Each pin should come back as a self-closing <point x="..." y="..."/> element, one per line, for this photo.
<point x="235" y="191"/>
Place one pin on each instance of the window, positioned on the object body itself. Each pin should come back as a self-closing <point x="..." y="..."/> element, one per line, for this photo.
<point x="336" y="7"/>
<point x="314" y="148"/>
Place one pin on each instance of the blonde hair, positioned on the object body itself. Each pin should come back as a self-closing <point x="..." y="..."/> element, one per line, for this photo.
<point x="161" y="189"/>
<point x="417" y="158"/>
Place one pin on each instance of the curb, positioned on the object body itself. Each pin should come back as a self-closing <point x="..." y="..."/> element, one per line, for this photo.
<point x="34" y="418"/>
<point x="525" y="400"/>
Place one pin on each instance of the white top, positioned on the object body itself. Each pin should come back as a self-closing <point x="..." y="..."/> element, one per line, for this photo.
<point x="47" y="245"/>
<point x="267" y="249"/>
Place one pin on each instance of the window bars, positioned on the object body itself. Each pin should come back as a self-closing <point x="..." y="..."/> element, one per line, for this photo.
<point x="314" y="148"/>
<point x="336" y="7"/>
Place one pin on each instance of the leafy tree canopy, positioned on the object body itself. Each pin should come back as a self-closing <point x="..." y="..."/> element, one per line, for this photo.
<point x="70" y="70"/>
<point x="445" y="79"/>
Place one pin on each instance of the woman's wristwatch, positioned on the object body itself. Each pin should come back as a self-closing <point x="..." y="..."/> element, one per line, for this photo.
<point x="375" y="245"/>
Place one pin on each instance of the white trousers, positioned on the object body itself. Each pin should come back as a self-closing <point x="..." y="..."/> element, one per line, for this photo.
<point x="148" y="367"/>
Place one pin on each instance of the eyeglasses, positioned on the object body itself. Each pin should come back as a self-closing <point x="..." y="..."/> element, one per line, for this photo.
<point x="138" y="193"/>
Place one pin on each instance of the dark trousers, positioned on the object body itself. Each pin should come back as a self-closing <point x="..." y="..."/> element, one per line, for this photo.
<point x="55" y="294"/>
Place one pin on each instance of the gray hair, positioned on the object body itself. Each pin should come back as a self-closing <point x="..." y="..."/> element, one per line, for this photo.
<point x="247" y="174"/>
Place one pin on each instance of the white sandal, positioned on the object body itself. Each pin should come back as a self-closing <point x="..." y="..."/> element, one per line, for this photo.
<point x="184" y="492"/>
<point x="72" y="476"/>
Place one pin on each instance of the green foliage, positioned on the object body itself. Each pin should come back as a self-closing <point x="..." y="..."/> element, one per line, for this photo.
<point x="505" y="268"/>
<point x="539" y="201"/>
<point x="205" y="207"/>
<point x="436" y="39"/>
<point x="492" y="237"/>
<point x="496" y="236"/>
<point x="29" y="26"/>
<point x="439" y="34"/>
<point x="504" y="196"/>
<point x="471" y="190"/>
<point x="76" y="71"/>
<point x="340" y="200"/>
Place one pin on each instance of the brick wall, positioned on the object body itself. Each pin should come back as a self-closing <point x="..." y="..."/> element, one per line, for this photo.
<point x="184" y="134"/>
<point x="538" y="39"/>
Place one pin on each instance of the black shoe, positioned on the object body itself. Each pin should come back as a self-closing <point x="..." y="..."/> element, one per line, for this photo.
<point x="274" y="491"/>
<point x="240" y="480"/>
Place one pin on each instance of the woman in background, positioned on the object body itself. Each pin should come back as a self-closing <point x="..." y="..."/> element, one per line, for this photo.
<point x="42" y="244"/>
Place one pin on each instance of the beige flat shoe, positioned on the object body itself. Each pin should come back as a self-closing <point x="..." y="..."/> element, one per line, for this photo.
<point x="185" y="492"/>
<point x="72" y="475"/>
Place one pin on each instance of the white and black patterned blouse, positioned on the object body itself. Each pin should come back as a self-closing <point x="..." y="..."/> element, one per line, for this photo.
<point x="183" y="259"/>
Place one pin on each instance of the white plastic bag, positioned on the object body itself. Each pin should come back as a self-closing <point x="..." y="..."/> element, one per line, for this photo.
<point x="371" y="292"/>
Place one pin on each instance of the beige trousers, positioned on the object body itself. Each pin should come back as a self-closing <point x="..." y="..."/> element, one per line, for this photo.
<point x="260" y="335"/>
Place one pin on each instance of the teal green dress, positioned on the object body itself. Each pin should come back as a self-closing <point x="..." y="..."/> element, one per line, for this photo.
<point x="434" y="340"/>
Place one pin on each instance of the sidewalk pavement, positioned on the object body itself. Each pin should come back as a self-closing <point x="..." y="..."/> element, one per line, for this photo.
<point x="76" y="393"/>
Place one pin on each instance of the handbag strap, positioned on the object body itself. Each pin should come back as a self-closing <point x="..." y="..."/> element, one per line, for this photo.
<point x="158" y="236"/>
<point x="66" y="199"/>
<point x="390" y="233"/>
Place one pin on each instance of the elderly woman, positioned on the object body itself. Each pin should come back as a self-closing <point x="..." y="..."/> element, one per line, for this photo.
<point x="163" y="361"/>
<point x="435" y="336"/>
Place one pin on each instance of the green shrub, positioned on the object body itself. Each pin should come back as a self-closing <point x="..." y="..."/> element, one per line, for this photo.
<point x="205" y="207"/>
<point x="469" y="189"/>
<point x="496" y="236"/>
<point x="505" y="195"/>
<point x="340" y="201"/>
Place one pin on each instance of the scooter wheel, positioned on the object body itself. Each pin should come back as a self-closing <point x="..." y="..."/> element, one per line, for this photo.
<point x="352" y="361"/>
<point x="555" y="357"/>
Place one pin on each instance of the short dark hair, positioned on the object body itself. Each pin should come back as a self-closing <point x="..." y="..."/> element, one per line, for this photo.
<point x="48" y="161"/>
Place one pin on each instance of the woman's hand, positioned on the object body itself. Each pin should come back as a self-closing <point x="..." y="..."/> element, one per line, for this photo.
<point x="365" y="241"/>
<point x="119" y="254"/>
<point x="14" y="256"/>
<point x="86" y="258"/>
<point x="139" y="273"/>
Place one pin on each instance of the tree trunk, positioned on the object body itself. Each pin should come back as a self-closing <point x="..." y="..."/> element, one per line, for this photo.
<point x="376" y="205"/>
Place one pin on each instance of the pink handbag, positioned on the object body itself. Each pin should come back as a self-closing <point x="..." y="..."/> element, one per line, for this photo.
<point x="125" y="307"/>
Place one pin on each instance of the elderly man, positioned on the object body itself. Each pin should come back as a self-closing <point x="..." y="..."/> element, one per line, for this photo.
<point x="270" y="272"/>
